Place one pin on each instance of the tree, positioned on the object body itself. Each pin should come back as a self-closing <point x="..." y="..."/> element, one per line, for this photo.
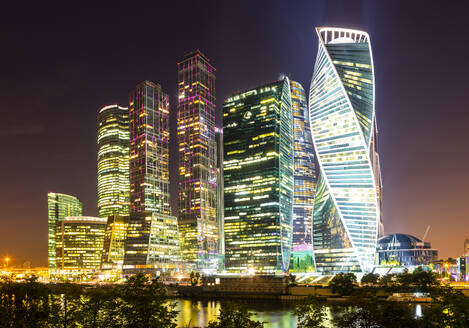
<point x="370" y="278"/>
<point x="100" y="308"/>
<point x="292" y="280"/>
<point x="145" y="304"/>
<point x="234" y="316"/>
<point x="311" y="313"/>
<point x="65" y="305"/>
<point x="343" y="283"/>
<point x="23" y="304"/>
<point x="370" y="313"/>
<point x="450" y="308"/>
<point x="195" y="277"/>
<point x="424" y="281"/>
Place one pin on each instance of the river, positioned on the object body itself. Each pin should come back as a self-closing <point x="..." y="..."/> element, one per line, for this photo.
<point x="275" y="314"/>
<point x="198" y="313"/>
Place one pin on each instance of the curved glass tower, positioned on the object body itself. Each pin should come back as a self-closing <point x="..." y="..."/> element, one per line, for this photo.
<point x="305" y="176"/>
<point x="113" y="161"/>
<point x="347" y="212"/>
<point x="258" y="172"/>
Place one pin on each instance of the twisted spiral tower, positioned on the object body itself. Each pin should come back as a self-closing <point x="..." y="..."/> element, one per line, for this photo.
<point x="347" y="207"/>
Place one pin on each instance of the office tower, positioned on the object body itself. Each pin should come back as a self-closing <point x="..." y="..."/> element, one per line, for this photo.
<point x="79" y="244"/>
<point x="220" y="204"/>
<point x="197" y="173"/>
<point x="342" y="114"/>
<point x="59" y="206"/>
<point x="113" y="161"/>
<point x="305" y="174"/>
<point x="258" y="178"/>
<point x="149" y="149"/>
<point x="114" y="242"/>
<point x="466" y="247"/>
<point x="152" y="243"/>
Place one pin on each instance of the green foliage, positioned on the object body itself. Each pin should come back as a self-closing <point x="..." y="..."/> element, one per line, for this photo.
<point x="234" y="316"/>
<point x="372" y="313"/>
<point x="417" y="281"/>
<point x="23" y="304"/>
<point x="195" y="278"/>
<point x="311" y="313"/>
<point x="343" y="283"/>
<point x="140" y="303"/>
<point x="370" y="278"/>
<point x="449" y="309"/>
<point x="144" y="304"/>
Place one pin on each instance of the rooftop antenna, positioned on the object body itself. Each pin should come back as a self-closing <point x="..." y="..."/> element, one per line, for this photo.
<point x="426" y="233"/>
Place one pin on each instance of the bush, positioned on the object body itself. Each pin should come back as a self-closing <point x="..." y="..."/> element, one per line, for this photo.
<point x="234" y="316"/>
<point x="343" y="283"/>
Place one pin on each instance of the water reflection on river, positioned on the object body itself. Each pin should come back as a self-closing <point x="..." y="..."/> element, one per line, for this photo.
<point x="275" y="314"/>
<point x="198" y="313"/>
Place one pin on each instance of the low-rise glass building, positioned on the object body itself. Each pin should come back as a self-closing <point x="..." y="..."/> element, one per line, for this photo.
<point x="79" y="244"/>
<point x="58" y="207"/>
<point x="399" y="249"/>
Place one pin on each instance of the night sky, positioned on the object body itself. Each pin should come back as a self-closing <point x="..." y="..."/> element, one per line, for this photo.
<point x="59" y="66"/>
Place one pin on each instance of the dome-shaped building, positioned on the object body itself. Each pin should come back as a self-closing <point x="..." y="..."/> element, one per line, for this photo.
<point x="404" y="250"/>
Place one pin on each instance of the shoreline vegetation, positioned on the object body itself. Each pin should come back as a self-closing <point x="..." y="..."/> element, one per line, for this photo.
<point x="141" y="302"/>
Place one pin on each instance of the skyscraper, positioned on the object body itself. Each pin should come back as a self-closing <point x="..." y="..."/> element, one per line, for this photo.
<point x="197" y="173"/>
<point x="258" y="178"/>
<point x="59" y="206"/>
<point x="305" y="174"/>
<point x="113" y="161"/>
<point x="220" y="197"/>
<point x="343" y="124"/>
<point x="149" y="149"/>
<point x="152" y="238"/>
<point x="79" y="244"/>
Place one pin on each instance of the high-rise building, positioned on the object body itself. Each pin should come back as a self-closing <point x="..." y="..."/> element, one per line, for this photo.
<point x="149" y="149"/>
<point x="113" y="161"/>
<point x="342" y="113"/>
<point x="152" y="242"/>
<point x="59" y="206"/>
<point x="305" y="174"/>
<point x="220" y="197"/>
<point x="114" y="242"/>
<point x="466" y="247"/>
<point x="258" y="178"/>
<point x="197" y="172"/>
<point x="79" y="244"/>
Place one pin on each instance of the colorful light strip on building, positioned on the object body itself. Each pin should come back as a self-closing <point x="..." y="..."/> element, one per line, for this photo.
<point x="197" y="171"/>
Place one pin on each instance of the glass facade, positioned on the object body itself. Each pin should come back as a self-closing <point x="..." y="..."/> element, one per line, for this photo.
<point x="258" y="178"/>
<point x="114" y="242"/>
<point x="347" y="213"/>
<point x="404" y="250"/>
<point x="149" y="149"/>
<point x="80" y="242"/>
<point x="305" y="174"/>
<point x="59" y="206"/>
<point x="220" y="199"/>
<point x="197" y="172"/>
<point x="113" y="161"/>
<point x="152" y="236"/>
<point x="152" y="244"/>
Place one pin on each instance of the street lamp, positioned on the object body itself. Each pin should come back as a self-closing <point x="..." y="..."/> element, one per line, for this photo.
<point x="7" y="259"/>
